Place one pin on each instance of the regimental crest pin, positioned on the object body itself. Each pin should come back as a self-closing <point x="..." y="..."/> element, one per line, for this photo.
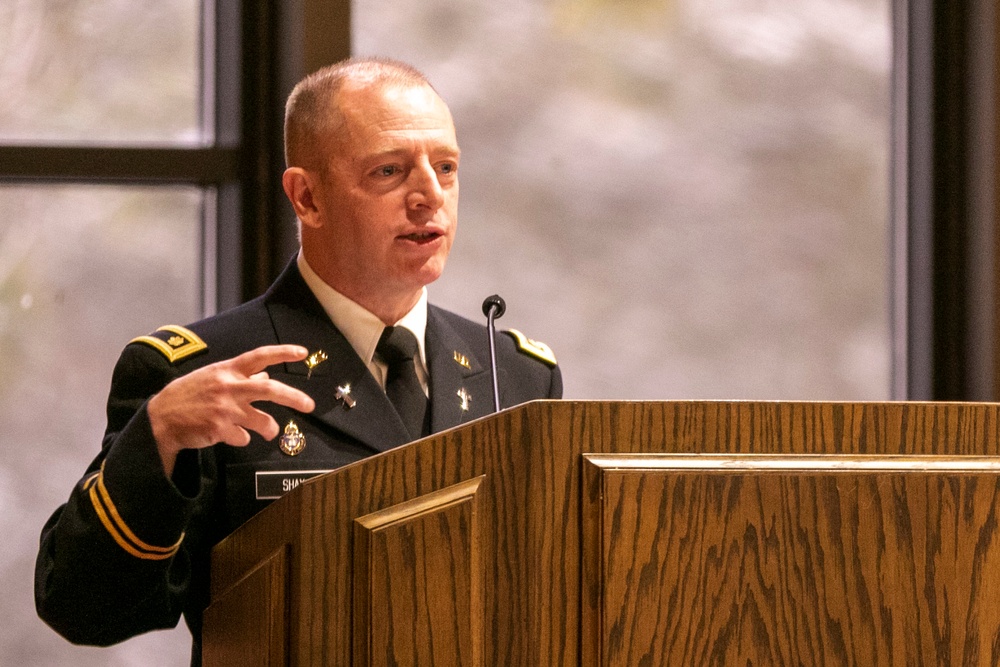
<point x="292" y="442"/>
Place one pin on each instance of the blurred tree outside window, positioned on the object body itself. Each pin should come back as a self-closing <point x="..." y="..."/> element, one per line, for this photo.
<point x="86" y="266"/>
<point x="108" y="72"/>
<point x="691" y="196"/>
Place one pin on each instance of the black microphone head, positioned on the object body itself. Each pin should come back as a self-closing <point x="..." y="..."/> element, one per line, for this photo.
<point x="494" y="303"/>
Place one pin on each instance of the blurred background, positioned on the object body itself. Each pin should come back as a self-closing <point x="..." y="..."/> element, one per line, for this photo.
<point x="683" y="198"/>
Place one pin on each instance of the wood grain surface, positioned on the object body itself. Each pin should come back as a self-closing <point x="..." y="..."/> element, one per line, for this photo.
<point x="716" y="566"/>
<point x="252" y="617"/>
<point x="417" y="581"/>
<point x="836" y="562"/>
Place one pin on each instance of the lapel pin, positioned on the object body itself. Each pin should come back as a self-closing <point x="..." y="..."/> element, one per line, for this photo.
<point x="461" y="359"/>
<point x="344" y="394"/>
<point x="466" y="399"/>
<point x="314" y="360"/>
<point x="292" y="442"/>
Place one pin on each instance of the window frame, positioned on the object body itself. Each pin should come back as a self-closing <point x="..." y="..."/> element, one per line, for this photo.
<point x="233" y="165"/>
<point x="944" y="218"/>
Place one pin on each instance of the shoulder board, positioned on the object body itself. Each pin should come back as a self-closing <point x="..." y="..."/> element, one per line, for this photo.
<point x="531" y="347"/>
<point x="174" y="342"/>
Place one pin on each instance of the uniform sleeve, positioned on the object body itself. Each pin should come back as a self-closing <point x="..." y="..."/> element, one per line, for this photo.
<point x="116" y="559"/>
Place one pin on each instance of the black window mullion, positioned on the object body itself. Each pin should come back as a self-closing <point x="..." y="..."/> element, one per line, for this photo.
<point x="201" y="166"/>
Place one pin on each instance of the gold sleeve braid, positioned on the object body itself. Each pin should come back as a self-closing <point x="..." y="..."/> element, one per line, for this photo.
<point x="116" y="526"/>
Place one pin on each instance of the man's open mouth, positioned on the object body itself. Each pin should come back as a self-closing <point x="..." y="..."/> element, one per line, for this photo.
<point x="421" y="237"/>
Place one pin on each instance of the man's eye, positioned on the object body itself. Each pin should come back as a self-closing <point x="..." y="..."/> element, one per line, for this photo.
<point x="388" y="170"/>
<point x="448" y="168"/>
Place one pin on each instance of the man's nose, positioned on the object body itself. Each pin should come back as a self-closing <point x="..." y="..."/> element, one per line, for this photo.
<point x="425" y="190"/>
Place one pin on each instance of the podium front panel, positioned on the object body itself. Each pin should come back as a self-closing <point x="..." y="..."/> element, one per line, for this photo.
<point x="698" y="560"/>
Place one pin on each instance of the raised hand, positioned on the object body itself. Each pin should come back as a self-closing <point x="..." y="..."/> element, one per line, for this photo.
<point x="214" y="404"/>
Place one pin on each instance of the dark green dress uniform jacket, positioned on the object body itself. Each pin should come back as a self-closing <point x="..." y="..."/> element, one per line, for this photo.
<point x="129" y="551"/>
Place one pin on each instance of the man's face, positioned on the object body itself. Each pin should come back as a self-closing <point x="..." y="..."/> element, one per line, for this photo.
<point x="388" y="196"/>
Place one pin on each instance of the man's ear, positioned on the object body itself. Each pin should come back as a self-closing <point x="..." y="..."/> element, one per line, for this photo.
<point x="298" y="185"/>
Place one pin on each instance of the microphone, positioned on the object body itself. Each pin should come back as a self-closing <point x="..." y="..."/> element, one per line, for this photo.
<point x="494" y="308"/>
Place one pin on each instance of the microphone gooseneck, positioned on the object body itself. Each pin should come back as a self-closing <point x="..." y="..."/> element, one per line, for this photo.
<point x="493" y="308"/>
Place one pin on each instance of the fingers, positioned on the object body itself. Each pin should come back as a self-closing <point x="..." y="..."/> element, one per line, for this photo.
<point x="215" y="403"/>
<point x="236" y="430"/>
<point x="261" y="387"/>
<point x="259" y="422"/>
<point x="280" y="393"/>
<point x="256" y="360"/>
<point x="234" y="435"/>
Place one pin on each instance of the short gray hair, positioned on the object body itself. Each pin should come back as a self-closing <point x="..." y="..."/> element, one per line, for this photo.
<point x="309" y="114"/>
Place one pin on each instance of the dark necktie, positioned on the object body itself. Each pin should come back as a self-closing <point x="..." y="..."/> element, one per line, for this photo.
<point x="397" y="347"/>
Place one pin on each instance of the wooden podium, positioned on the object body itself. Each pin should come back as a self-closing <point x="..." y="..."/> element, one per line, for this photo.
<point x="634" y="533"/>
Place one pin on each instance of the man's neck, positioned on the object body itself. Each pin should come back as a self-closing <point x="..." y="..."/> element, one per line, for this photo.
<point x="391" y="311"/>
<point x="389" y="308"/>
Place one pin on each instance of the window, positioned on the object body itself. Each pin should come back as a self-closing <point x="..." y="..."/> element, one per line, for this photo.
<point x="691" y="195"/>
<point x="110" y="178"/>
<point x="101" y="72"/>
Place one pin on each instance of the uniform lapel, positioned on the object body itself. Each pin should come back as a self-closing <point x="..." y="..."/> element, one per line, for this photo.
<point x="457" y="377"/>
<point x="299" y="318"/>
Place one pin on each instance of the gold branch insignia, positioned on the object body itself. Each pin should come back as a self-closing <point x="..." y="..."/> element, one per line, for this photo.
<point x="314" y="360"/>
<point x="461" y="359"/>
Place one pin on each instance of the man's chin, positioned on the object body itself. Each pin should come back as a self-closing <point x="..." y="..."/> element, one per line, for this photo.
<point x="425" y="274"/>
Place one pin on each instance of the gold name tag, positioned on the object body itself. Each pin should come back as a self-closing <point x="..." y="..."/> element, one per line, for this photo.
<point x="273" y="484"/>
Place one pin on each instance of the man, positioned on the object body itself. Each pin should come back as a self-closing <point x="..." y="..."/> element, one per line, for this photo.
<point x="208" y="423"/>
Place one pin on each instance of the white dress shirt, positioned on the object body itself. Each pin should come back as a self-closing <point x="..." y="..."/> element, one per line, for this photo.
<point x="362" y="328"/>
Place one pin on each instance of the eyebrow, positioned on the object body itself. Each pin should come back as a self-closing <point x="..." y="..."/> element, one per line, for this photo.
<point x="377" y="156"/>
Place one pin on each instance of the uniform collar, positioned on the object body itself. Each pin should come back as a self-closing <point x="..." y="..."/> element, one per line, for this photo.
<point x="361" y="327"/>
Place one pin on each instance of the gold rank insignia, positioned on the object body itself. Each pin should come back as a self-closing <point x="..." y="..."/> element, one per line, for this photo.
<point x="292" y="442"/>
<point x="535" y="348"/>
<point x="174" y="342"/>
